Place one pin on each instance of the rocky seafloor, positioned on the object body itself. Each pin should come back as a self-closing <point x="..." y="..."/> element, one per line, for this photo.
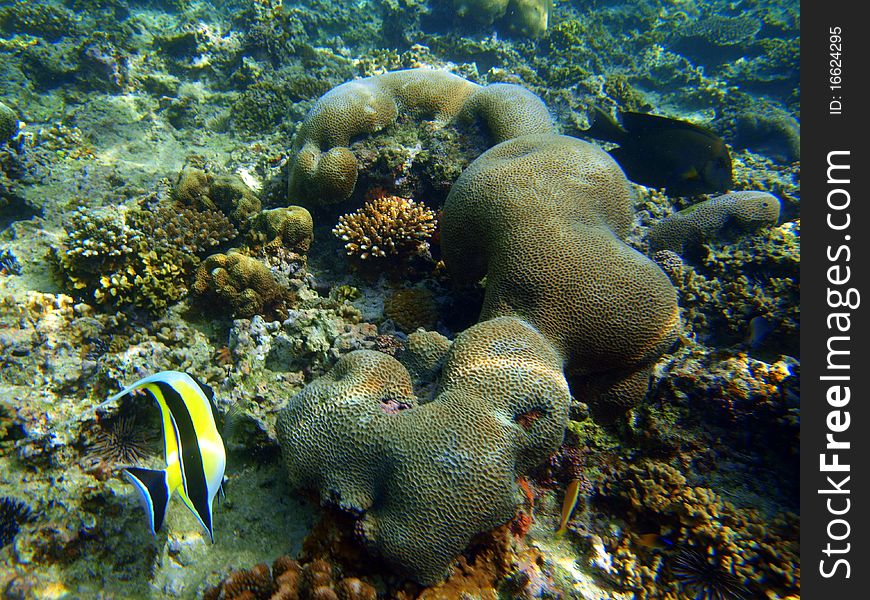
<point x="145" y="140"/>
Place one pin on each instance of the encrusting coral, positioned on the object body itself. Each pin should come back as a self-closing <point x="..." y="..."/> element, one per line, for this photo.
<point x="324" y="170"/>
<point x="388" y="226"/>
<point x="738" y="211"/>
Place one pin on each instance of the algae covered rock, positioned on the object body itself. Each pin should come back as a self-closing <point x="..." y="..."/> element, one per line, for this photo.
<point x="736" y="212"/>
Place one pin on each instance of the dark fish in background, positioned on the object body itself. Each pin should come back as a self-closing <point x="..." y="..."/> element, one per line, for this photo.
<point x="661" y="152"/>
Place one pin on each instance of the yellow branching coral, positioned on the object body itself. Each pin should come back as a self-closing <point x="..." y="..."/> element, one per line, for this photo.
<point x="387" y="226"/>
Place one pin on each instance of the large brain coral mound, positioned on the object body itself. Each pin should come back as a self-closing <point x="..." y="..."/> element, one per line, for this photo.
<point x="739" y="212"/>
<point x="416" y="473"/>
<point x="543" y="218"/>
<point x="387" y="227"/>
<point x="324" y="170"/>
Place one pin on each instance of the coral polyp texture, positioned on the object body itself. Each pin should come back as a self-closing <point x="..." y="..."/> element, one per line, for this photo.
<point x="543" y="218"/>
<point x="289" y="227"/>
<point x="735" y="212"/>
<point x="417" y="473"/>
<point x="324" y="170"/>
<point x="245" y="283"/>
<point x="386" y="226"/>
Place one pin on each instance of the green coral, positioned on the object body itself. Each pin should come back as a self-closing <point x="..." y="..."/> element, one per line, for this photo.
<point x="8" y="123"/>
<point x="289" y="227"/>
<point x="244" y="284"/>
<point x="736" y="211"/>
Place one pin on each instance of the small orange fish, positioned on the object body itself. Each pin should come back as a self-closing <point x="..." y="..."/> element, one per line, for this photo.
<point x="572" y="492"/>
<point x="653" y="541"/>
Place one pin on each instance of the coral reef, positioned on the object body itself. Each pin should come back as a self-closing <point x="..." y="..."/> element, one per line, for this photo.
<point x="13" y="514"/>
<point x="757" y="551"/>
<point x="246" y="285"/>
<point x="142" y="257"/>
<point x="543" y="218"/>
<point x="361" y="438"/>
<point x="387" y="226"/>
<point x="739" y="212"/>
<point x="324" y="170"/>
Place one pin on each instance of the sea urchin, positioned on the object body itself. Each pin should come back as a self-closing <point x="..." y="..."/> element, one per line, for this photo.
<point x="13" y="514"/>
<point x="702" y="577"/>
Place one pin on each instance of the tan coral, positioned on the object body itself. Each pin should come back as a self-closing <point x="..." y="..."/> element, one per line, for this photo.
<point x="543" y="218"/>
<point x="743" y="211"/>
<point x="246" y="284"/>
<point x="388" y="226"/>
<point x="289" y="227"/>
<point x="415" y="471"/>
<point x="324" y="170"/>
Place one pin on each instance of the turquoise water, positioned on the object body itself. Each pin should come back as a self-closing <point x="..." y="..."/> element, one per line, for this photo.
<point x="277" y="197"/>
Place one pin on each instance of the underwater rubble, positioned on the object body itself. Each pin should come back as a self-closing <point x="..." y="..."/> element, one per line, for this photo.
<point x="455" y="351"/>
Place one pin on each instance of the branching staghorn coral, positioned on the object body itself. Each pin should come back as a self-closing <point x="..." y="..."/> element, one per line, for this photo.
<point x="386" y="226"/>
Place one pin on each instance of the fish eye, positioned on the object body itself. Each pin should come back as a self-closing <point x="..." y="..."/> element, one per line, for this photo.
<point x="764" y="205"/>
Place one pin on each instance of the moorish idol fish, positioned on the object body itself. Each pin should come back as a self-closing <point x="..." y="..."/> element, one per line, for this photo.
<point x="660" y="152"/>
<point x="194" y="450"/>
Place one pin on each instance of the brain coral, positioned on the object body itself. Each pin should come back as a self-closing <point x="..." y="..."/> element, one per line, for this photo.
<point x="325" y="170"/>
<point x="415" y="471"/>
<point x="543" y="218"/>
<point x="244" y="283"/>
<point x="736" y="211"/>
<point x="289" y="227"/>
